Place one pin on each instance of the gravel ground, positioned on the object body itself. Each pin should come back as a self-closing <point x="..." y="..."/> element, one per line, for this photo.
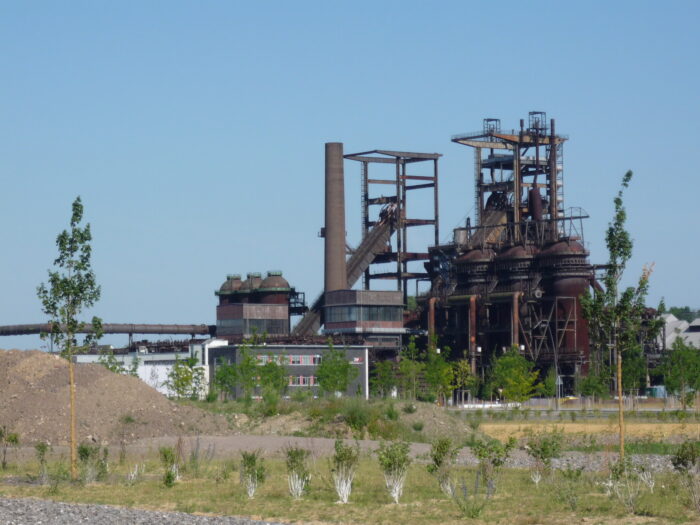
<point x="28" y="511"/>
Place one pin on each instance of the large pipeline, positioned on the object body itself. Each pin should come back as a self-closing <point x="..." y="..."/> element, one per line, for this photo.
<point x="112" y="328"/>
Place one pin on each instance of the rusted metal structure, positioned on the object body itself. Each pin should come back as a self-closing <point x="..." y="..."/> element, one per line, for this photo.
<point x="515" y="278"/>
<point x="401" y="183"/>
<point x="114" y="328"/>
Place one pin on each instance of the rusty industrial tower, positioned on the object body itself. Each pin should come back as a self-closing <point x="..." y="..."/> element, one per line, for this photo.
<point x="516" y="276"/>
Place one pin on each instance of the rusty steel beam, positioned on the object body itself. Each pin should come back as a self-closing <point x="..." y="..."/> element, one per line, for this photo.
<point x="111" y="328"/>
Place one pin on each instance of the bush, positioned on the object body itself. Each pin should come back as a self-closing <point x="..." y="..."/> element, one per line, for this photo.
<point x="543" y="447"/>
<point x="41" y="449"/>
<point x="442" y="457"/>
<point x="252" y="471"/>
<point x="171" y="472"/>
<point x="409" y="408"/>
<point x="394" y="461"/>
<point x="569" y="489"/>
<point x="391" y="413"/>
<point x="356" y="415"/>
<point x="417" y="426"/>
<point x="297" y="470"/>
<point x="7" y="439"/>
<point x="474" y="423"/>
<point x="426" y="397"/>
<point x="627" y="483"/>
<point x="472" y="504"/>
<point x="687" y="462"/>
<point x="93" y="465"/>
<point x="492" y="455"/>
<point x="343" y="466"/>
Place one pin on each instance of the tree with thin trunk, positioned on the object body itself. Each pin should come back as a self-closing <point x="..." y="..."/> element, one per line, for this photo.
<point x="616" y="316"/>
<point x="71" y="288"/>
<point x="681" y="370"/>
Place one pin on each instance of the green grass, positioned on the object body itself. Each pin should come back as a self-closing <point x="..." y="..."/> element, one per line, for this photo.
<point x="517" y="501"/>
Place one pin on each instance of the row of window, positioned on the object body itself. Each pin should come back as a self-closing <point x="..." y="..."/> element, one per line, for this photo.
<point x="249" y="326"/>
<point x="306" y="360"/>
<point x="342" y="314"/>
<point x="302" y="380"/>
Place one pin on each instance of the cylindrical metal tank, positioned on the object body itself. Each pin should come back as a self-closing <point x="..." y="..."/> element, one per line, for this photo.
<point x="227" y="291"/>
<point x="460" y="236"/>
<point x="250" y="285"/>
<point x="274" y="289"/>
<point x="471" y="270"/>
<point x="566" y="274"/>
<point x="514" y="266"/>
<point x="334" y="251"/>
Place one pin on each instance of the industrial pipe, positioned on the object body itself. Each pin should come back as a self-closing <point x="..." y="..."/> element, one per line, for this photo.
<point x="515" y="335"/>
<point x="431" y="319"/>
<point x="111" y="328"/>
<point x="335" y="271"/>
<point x="472" y="332"/>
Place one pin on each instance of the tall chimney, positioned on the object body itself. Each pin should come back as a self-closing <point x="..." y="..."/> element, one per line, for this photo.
<point x="335" y="271"/>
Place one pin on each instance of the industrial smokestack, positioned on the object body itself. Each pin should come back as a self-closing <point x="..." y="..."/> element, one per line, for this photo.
<point x="335" y="271"/>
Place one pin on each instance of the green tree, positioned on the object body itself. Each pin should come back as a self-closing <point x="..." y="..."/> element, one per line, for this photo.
<point x="514" y="375"/>
<point x="439" y="375"/>
<point x="186" y="378"/>
<point x="549" y="384"/>
<point x="464" y="379"/>
<point x="111" y="363"/>
<point x="596" y="383"/>
<point x="681" y="370"/>
<point x="410" y="369"/>
<point x="71" y="289"/>
<point x="225" y="378"/>
<point x="383" y="378"/>
<point x="273" y="381"/>
<point x="684" y="313"/>
<point x="7" y="439"/>
<point x="335" y="372"/>
<point x="246" y="371"/>
<point x="615" y="317"/>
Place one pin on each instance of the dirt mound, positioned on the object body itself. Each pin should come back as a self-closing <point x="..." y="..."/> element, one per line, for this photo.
<point x="110" y="407"/>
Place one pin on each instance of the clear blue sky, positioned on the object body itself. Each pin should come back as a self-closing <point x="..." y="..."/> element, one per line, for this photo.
<point x="194" y="131"/>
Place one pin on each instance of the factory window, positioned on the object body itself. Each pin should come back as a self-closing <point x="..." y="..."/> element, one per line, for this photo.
<point x="302" y="380"/>
<point x="317" y="360"/>
<point x="294" y="359"/>
<point x="344" y="314"/>
<point x="341" y="314"/>
<point x="381" y="313"/>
